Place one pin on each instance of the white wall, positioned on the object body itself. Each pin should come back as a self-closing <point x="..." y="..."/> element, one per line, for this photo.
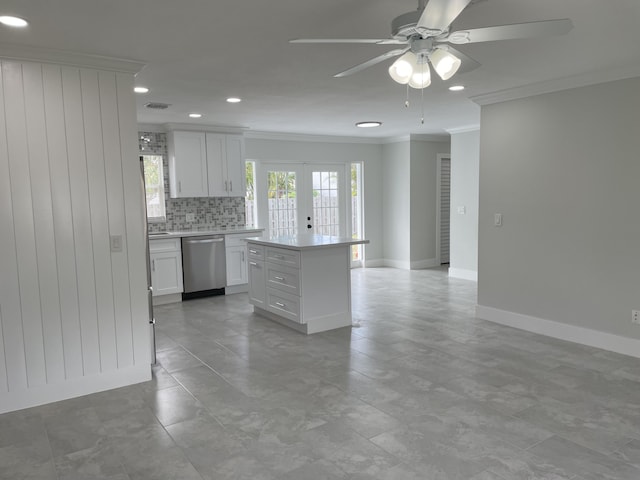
<point x="73" y="314"/>
<point x="396" y="200"/>
<point x="332" y="150"/>
<point x="465" y="165"/>
<point x="563" y="169"/>
<point x="424" y="201"/>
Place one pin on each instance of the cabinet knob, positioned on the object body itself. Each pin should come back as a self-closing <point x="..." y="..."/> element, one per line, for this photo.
<point x="309" y="226"/>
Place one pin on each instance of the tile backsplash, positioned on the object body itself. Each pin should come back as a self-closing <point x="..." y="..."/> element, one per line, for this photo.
<point x="209" y="213"/>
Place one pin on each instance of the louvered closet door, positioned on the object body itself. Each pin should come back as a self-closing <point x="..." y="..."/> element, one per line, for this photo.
<point x="445" y="208"/>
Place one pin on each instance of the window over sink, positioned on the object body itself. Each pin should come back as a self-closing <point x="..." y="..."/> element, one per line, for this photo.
<point x="154" y="187"/>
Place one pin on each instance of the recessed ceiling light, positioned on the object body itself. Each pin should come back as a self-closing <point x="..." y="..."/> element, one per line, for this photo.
<point x="368" y="124"/>
<point x="195" y="115"/>
<point x="141" y="89"/>
<point x="456" y="88"/>
<point x="234" y="100"/>
<point x="13" y="21"/>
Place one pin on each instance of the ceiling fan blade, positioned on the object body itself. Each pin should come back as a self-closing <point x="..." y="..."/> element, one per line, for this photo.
<point x="468" y="63"/>
<point x="508" y="32"/>
<point x="377" y="41"/>
<point x="373" y="61"/>
<point x="438" y="14"/>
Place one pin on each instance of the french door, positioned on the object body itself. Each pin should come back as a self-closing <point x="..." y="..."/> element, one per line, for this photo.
<point x="302" y="198"/>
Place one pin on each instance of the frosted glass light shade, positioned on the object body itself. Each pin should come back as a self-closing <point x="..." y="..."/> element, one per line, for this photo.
<point x="421" y="78"/>
<point x="444" y="63"/>
<point x="402" y="69"/>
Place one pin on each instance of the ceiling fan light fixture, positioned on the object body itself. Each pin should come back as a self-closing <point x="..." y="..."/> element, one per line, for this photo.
<point x="12" y="21"/>
<point x="421" y="78"/>
<point x="402" y="69"/>
<point x="368" y="124"/>
<point x="445" y="64"/>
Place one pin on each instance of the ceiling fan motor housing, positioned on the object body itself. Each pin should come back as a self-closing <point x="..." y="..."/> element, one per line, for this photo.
<point x="403" y="27"/>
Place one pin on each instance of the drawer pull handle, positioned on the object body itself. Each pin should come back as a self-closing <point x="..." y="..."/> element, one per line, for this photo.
<point x="253" y="251"/>
<point x="280" y="279"/>
<point x="280" y="304"/>
<point x="254" y="264"/>
<point x="279" y="257"/>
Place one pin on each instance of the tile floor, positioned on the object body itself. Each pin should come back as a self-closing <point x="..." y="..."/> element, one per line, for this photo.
<point x="421" y="390"/>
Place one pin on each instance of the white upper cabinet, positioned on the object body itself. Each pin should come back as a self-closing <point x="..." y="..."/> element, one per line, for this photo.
<point x="225" y="163"/>
<point x="187" y="165"/>
<point x="206" y="165"/>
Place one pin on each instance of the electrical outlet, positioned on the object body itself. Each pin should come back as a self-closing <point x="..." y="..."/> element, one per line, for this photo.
<point x="191" y="217"/>
<point x="635" y="317"/>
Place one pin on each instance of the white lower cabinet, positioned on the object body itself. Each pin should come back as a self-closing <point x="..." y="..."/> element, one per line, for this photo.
<point x="257" y="286"/>
<point x="166" y="266"/>
<point x="236" y="253"/>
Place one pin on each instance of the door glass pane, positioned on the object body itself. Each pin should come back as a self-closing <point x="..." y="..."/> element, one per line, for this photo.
<point x="356" y="210"/>
<point x="281" y="202"/>
<point x="326" y="215"/>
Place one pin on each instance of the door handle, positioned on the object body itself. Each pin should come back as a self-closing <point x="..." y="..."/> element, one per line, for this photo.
<point x="231" y="185"/>
<point x="153" y="265"/>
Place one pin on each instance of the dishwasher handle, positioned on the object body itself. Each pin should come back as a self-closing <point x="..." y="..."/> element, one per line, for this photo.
<point x="207" y="240"/>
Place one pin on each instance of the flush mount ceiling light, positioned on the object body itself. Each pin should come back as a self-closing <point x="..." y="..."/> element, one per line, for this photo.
<point x="424" y="37"/>
<point x="456" y="88"/>
<point x="195" y="115"/>
<point x="368" y="124"/>
<point x="234" y="100"/>
<point x="141" y="89"/>
<point x="11" y="21"/>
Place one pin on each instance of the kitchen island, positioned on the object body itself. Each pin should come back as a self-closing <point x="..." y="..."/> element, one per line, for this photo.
<point x="302" y="281"/>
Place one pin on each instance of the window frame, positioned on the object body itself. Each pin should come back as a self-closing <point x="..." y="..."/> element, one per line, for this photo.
<point x="160" y="188"/>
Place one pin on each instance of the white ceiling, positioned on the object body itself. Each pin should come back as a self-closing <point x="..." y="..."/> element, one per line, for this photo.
<point x="199" y="52"/>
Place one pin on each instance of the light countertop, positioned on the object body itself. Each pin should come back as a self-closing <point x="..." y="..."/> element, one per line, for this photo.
<point x="306" y="241"/>
<point x="196" y="233"/>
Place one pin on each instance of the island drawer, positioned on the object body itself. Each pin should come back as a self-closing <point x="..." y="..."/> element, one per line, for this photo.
<point x="283" y="256"/>
<point x="283" y="304"/>
<point x="281" y="277"/>
<point x="255" y="251"/>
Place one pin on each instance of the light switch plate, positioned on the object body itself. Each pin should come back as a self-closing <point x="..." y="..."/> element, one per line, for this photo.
<point x="116" y="243"/>
<point x="497" y="219"/>
<point x="462" y="209"/>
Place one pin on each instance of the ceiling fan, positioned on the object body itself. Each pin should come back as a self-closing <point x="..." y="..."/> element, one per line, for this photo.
<point x="426" y="38"/>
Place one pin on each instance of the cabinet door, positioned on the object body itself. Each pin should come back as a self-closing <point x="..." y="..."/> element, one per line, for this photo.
<point x="166" y="273"/>
<point x="187" y="165"/>
<point x="236" y="265"/>
<point x="236" y="172"/>
<point x="257" y="283"/>
<point x="216" y="165"/>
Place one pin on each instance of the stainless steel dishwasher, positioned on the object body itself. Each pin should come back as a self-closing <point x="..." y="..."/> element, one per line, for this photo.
<point x="204" y="266"/>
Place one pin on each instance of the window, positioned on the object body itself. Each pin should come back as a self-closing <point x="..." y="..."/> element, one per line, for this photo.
<point x="357" y="229"/>
<point x="250" y="196"/>
<point x="154" y="187"/>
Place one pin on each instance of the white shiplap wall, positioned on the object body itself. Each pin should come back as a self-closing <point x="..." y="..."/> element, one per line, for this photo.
<point x="73" y="314"/>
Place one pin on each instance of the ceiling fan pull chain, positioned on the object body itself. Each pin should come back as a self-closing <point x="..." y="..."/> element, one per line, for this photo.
<point x="422" y="99"/>
<point x="406" y="102"/>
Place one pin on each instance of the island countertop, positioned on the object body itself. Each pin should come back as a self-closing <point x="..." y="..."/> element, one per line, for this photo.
<point x="306" y="241"/>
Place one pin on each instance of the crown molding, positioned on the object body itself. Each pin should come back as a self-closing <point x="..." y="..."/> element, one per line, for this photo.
<point x="300" y="137"/>
<point x="151" y="127"/>
<point x="425" y="137"/>
<point x="465" y="129"/>
<point x="73" y="59"/>
<point x="556" y="85"/>
<point x="168" y="127"/>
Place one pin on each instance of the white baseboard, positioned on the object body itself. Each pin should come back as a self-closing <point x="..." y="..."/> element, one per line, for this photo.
<point x="428" y="263"/>
<point x="396" y="264"/>
<point x="166" y="299"/>
<point x="76" y="387"/>
<point x="233" y="289"/>
<point x="376" y="263"/>
<point x="562" y="331"/>
<point x="463" y="274"/>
